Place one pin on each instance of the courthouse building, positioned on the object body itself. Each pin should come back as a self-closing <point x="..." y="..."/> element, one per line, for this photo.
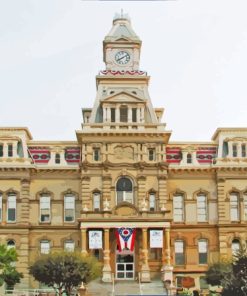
<point x="143" y="205"/>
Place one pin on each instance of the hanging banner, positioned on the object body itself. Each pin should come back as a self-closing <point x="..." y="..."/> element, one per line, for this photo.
<point x="95" y="239"/>
<point x="125" y="238"/>
<point x="156" y="238"/>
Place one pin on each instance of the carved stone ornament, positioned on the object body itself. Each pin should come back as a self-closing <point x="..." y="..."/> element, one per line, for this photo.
<point x="85" y="208"/>
<point x="144" y="205"/>
<point x="124" y="152"/>
<point x="106" y="205"/>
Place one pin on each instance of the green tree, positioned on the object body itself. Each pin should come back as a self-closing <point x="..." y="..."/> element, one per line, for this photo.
<point x="64" y="271"/>
<point x="231" y="276"/>
<point x="8" y="272"/>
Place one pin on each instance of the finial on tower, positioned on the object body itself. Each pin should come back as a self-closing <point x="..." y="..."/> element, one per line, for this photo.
<point x="121" y="15"/>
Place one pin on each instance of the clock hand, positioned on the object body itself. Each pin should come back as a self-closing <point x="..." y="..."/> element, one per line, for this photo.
<point x="122" y="57"/>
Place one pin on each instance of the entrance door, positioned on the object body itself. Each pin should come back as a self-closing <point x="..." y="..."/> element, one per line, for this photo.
<point x="125" y="269"/>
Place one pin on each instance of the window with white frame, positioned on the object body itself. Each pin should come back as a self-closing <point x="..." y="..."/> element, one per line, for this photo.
<point x="203" y="251"/>
<point x="96" y="201"/>
<point x="69" y="208"/>
<point x="1" y="207"/>
<point x="201" y="200"/>
<point x="44" y="247"/>
<point x="124" y="190"/>
<point x="11" y="207"/>
<point x="235" y="246"/>
<point x="45" y="208"/>
<point x="178" y="208"/>
<point x="152" y="201"/>
<point x="69" y="246"/>
<point x="179" y="252"/>
<point x="234" y="206"/>
<point x="245" y="206"/>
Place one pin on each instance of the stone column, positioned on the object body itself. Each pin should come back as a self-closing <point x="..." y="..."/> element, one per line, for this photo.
<point x="138" y="115"/>
<point x="230" y="150"/>
<point x="141" y="195"/>
<point x="104" y="114"/>
<point x="106" y="271"/>
<point x="15" y="149"/>
<point x="5" y="150"/>
<point x="129" y="114"/>
<point x="145" y="270"/>
<point x="239" y="149"/>
<point x="142" y="115"/>
<point x="84" y="241"/>
<point x="117" y="114"/>
<point x="167" y="268"/>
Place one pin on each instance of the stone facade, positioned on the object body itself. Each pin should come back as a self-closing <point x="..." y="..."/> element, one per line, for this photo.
<point x="124" y="172"/>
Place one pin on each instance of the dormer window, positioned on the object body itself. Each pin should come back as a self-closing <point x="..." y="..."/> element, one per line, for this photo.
<point x="189" y="158"/>
<point x="234" y="150"/>
<point x="134" y="114"/>
<point x="123" y="114"/>
<point x="113" y="115"/>
<point x="57" y="158"/>
<point x="10" y="150"/>
<point x="243" y="150"/>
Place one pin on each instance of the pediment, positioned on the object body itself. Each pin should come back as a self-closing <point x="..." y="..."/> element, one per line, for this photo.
<point x="123" y="97"/>
<point x="123" y="39"/>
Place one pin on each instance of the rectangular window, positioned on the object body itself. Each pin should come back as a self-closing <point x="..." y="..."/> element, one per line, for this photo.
<point x="1" y="150"/>
<point x="10" y="150"/>
<point x="155" y="254"/>
<point x="151" y="154"/>
<point x="45" y="209"/>
<point x="1" y="207"/>
<point x="134" y="114"/>
<point x="96" y="154"/>
<point x="11" y="208"/>
<point x="152" y="202"/>
<point x="69" y="246"/>
<point x="203" y="251"/>
<point x="96" y="201"/>
<point x="44" y="247"/>
<point x="201" y="208"/>
<point x="123" y="114"/>
<point x="178" y="208"/>
<point x="234" y="150"/>
<point x="234" y="207"/>
<point x="113" y="115"/>
<point x="243" y="150"/>
<point x="69" y="208"/>
<point x="179" y="253"/>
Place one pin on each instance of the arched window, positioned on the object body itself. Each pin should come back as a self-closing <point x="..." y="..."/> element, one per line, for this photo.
<point x="152" y="201"/>
<point x="234" y="206"/>
<point x="189" y="158"/>
<point x="10" y="244"/>
<point x="201" y="200"/>
<point x="96" y="201"/>
<point x="235" y="246"/>
<point x="124" y="190"/>
<point x="179" y="252"/>
<point x="178" y="208"/>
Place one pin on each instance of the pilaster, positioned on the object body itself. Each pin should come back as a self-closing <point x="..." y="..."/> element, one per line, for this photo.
<point x="141" y="190"/>
<point x="145" y="270"/>
<point x="106" y="277"/>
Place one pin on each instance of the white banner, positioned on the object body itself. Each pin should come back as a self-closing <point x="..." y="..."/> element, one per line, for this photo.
<point x="95" y="239"/>
<point x="156" y="238"/>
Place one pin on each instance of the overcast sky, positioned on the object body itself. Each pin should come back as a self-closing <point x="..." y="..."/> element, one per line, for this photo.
<point x="195" y="52"/>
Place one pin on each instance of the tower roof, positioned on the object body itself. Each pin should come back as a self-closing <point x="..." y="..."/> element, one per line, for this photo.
<point x="121" y="29"/>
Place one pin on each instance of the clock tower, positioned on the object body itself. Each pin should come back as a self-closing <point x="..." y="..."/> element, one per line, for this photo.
<point x="122" y="46"/>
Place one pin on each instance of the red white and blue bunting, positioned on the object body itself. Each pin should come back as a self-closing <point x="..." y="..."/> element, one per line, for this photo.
<point x="125" y="238"/>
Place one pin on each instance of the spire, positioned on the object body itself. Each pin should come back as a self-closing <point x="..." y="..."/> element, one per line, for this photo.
<point x="121" y="28"/>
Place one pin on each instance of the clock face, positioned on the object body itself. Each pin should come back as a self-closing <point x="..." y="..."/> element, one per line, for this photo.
<point x="122" y="57"/>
